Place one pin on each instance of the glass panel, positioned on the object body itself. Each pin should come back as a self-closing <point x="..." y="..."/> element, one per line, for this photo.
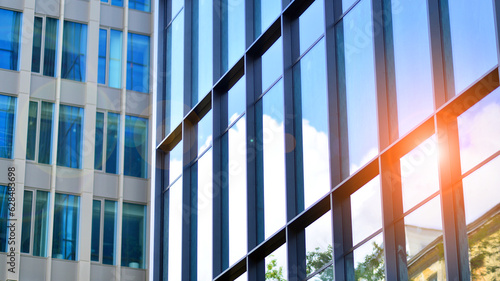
<point x="474" y="45"/>
<point x="236" y="100"/>
<point x="10" y="39"/>
<point x="366" y="211"/>
<point x="424" y="242"/>
<point x="359" y="85"/>
<point x="26" y="226"/>
<point x="37" y="45"/>
<point x="138" y="63"/>
<point x="205" y="132"/>
<point x="50" y="52"/>
<point x="479" y="131"/>
<point x="174" y="96"/>
<point x="272" y="64"/>
<point x="271" y="138"/>
<point x="7" y="109"/>
<point x="414" y="85"/>
<point x="265" y="12"/>
<point x="115" y="58"/>
<point x="174" y="231"/>
<point x="175" y="163"/>
<point x="69" y="146"/>
<point x="205" y="206"/>
<point x="136" y="153"/>
<point x="99" y="140"/>
<point x="202" y="49"/>
<point x="319" y="251"/>
<point x="482" y="215"/>
<point x="419" y="173"/>
<point x="310" y="95"/>
<point x="346" y="4"/>
<point x="65" y="239"/>
<point x="237" y="167"/>
<point x="41" y="224"/>
<point x="326" y="274"/>
<point x="276" y="265"/>
<point x="117" y="3"/>
<point x="311" y="25"/>
<point x="233" y="32"/>
<point x="369" y="260"/>
<point x="31" y="141"/>
<point x="45" y="138"/>
<point x="96" y="231"/>
<point x="109" y="237"/>
<point x="141" y="5"/>
<point x="4" y="216"/>
<point x="101" y="65"/>
<point x="112" y="141"/>
<point x="176" y="6"/>
<point x="74" y="51"/>
<point x="133" y="235"/>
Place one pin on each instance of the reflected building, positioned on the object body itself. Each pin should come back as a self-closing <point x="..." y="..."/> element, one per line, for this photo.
<point x="326" y="139"/>
<point x="75" y="136"/>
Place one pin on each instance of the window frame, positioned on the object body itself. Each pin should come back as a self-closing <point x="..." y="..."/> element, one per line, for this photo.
<point x="105" y="142"/>
<point x="32" y="222"/>
<point x="101" y="230"/>
<point x="37" y="133"/>
<point x="145" y="229"/>
<point x="108" y="58"/>
<point x="42" y="45"/>
<point x="82" y="137"/>
<point x="146" y="167"/>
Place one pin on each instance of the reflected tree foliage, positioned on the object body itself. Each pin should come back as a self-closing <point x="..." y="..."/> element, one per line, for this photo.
<point x="372" y="268"/>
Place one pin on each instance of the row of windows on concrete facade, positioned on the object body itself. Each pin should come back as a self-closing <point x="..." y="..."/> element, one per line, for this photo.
<point x="74" y="51"/>
<point x="70" y="137"/>
<point x="65" y="240"/>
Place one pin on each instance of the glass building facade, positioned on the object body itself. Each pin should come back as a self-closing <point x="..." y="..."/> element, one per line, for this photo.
<point x="327" y="140"/>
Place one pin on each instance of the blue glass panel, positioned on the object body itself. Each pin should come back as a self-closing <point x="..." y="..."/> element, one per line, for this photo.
<point x="109" y="237"/>
<point x="99" y="140"/>
<point x="69" y="146"/>
<point x="174" y="231"/>
<point x="115" y="58"/>
<point x="117" y="3"/>
<point x="133" y="235"/>
<point x="112" y="143"/>
<point x="45" y="138"/>
<point x="96" y="230"/>
<point x="272" y="64"/>
<point x="65" y="242"/>
<point x="175" y="163"/>
<point x="236" y="100"/>
<point x="41" y="223"/>
<point x="136" y="153"/>
<point x="50" y="52"/>
<point x="202" y="49"/>
<point x="7" y="109"/>
<point x="31" y="141"/>
<point x="205" y="132"/>
<point x="74" y="53"/>
<point x="141" y="5"/>
<point x="26" y="226"/>
<point x="101" y="63"/>
<point x="37" y="45"/>
<point x="4" y="215"/>
<point x="176" y="6"/>
<point x="346" y="4"/>
<point x="265" y="12"/>
<point x="205" y="206"/>
<point x="174" y="96"/>
<point x="311" y="25"/>
<point x="10" y="32"/>
<point x="138" y="63"/>
<point x="233" y="32"/>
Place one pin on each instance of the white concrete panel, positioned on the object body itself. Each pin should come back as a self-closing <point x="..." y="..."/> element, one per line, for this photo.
<point x="112" y="16"/>
<point x="76" y="10"/>
<point x="138" y="104"/>
<point x="139" y="21"/>
<point x="43" y="87"/>
<point x="47" y="7"/>
<point x="33" y="268"/>
<point x="64" y="270"/>
<point x="73" y="92"/>
<point x="10" y="81"/>
<point x="69" y="180"/>
<point x="135" y="189"/>
<point x="106" y="185"/>
<point x="108" y="98"/>
<point x="37" y="175"/>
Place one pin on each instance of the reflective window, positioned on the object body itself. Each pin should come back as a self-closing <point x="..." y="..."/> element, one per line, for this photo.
<point x="474" y="46"/>
<point x="74" y="53"/>
<point x="276" y="265"/>
<point x="136" y="147"/>
<point x="69" y="144"/>
<point x="173" y="217"/>
<point x="175" y="163"/>
<point x="176" y="6"/>
<point x="205" y="132"/>
<point x="112" y="141"/>
<point x="236" y="100"/>
<point x="114" y="54"/>
<point x="346" y="4"/>
<point x="65" y="235"/>
<point x="479" y="131"/>
<point x="10" y="37"/>
<point x="4" y="216"/>
<point x="40" y="229"/>
<point x="366" y="211"/>
<point x="309" y="77"/>
<point x="26" y="224"/>
<point x="265" y="12"/>
<point x="96" y="231"/>
<point x="7" y="114"/>
<point x="101" y="64"/>
<point x="202" y="49"/>
<point x="174" y="96"/>
<point x="118" y="3"/>
<point x="319" y="250"/>
<point x="99" y="140"/>
<point x="133" y="235"/>
<point x="40" y="150"/>
<point x="412" y="58"/>
<point x="44" y="46"/>
<point x="272" y="64"/>
<point x="205" y="206"/>
<point x="369" y="260"/>
<point x="311" y="25"/>
<point x="357" y="55"/>
<point x="105" y="228"/>
<point x="233" y="32"/>
<point x="141" y="5"/>
<point x="138" y="63"/>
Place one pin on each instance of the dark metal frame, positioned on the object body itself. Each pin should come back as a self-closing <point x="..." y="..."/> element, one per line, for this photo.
<point x="443" y="123"/>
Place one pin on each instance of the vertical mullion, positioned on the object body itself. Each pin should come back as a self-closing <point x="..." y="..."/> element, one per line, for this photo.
<point x="447" y="55"/>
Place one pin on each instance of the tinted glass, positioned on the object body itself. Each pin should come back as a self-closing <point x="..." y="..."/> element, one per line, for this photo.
<point x="175" y="231"/>
<point x="109" y="233"/>
<point x="141" y="5"/>
<point x="205" y="207"/>
<point x="138" y="63"/>
<point x="69" y="146"/>
<point x="115" y="58"/>
<point x="236" y="101"/>
<point x="272" y="64"/>
<point x="136" y="147"/>
<point x="50" y="52"/>
<point x="10" y="39"/>
<point x="4" y="216"/>
<point x="112" y="142"/>
<point x="7" y="109"/>
<point x="74" y="52"/>
<point x="26" y="225"/>
<point x="202" y="49"/>
<point x="133" y="235"/>
<point x="366" y="210"/>
<point x="41" y="224"/>
<point x="311" y="25"/>
<point x="37" y="45"/>
<point x="265" y="12"/>
<point x="31" y="141"/>
<point x="319" y="250"/>
<point x="45" y="138"/>
<point x="99" y="140"/>
<point x="66" y="216"/>
<point x="96" y="231"/>
<point x="101" y="63"/>
<point x="205" y="132"/>
<point x="233" y="32"/>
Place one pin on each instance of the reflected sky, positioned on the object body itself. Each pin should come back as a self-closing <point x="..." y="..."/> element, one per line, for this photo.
<point x="366" y="210"/>
<point x="202" y="49"/>
<point x="236" y="101"/>
<point x="175" y="164"/>
<point x="272" y="64"/>
<point x="205" y="206"/>
<point x="311" y="25"/>
<point x="205" y="132"/>
<point x="266" y="11"/>
<point x="233" y="32"/>
<point x="174" y="230"/>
